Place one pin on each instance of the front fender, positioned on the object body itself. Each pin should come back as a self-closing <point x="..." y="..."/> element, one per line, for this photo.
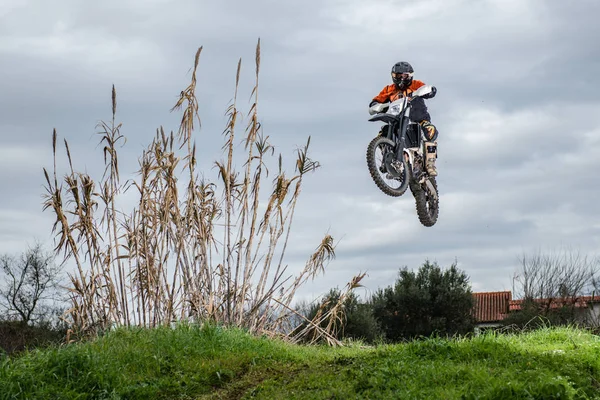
<point x="383" y="117"/>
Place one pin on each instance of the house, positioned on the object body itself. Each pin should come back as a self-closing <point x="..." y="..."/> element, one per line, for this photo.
<point x="587" y="307"/>
<point x="491" y="308"/>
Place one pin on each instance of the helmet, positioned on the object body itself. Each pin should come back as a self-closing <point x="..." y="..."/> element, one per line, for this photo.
<point x="402" y="74"/>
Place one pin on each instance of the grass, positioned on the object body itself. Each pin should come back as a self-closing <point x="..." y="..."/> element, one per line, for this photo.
<point x="191" y="362"/>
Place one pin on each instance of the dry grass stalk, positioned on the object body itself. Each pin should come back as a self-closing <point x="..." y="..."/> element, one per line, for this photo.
<point x="155" y="265"/>
<point x="332" y="316"/>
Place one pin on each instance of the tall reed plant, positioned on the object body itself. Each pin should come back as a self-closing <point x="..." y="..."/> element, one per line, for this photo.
<point x="190" y="249"/>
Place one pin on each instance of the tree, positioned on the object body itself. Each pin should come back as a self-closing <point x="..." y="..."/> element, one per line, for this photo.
<point x="28" y="282"/>
<point x="423" y="303"/>
<point x="551" y="283"/>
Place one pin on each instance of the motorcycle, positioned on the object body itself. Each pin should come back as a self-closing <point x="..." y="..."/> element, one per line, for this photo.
<point x="402" y="161"/>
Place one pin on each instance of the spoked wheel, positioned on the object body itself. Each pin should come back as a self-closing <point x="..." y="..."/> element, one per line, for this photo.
<point x="427" y="201"/>
<point x="390" y="175"/>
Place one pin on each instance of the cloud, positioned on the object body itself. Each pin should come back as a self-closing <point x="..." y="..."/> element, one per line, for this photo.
<point x="507" y="182"/>
<point x="516" y="104"/>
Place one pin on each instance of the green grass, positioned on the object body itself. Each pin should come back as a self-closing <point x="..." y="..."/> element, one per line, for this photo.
<point x="212" y="363"/>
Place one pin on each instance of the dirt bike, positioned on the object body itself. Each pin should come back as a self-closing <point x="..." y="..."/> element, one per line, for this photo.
<point x="402" y="162"/>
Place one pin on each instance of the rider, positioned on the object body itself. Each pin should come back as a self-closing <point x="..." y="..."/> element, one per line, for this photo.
<point x="402" y="76"/>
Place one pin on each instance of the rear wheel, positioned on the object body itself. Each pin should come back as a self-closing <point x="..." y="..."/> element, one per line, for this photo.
<point x="427" y="201"/>
<point x="389" y="174"/>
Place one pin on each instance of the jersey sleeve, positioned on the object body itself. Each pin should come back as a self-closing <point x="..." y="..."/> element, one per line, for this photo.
<point x="416" y="84"/>
<point x="383" y="96"/>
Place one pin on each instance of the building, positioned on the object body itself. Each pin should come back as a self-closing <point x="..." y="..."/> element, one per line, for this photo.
<point x="491" y="308"/>
<point x="587" y="307"/>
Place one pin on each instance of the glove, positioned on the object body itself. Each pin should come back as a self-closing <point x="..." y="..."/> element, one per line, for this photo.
<point x="430" y="95"/>
<point x="377" y="107"/>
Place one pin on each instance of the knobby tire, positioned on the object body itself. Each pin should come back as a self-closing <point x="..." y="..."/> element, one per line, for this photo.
<point x="373" y="169"/>
<point x="426" y="217"/>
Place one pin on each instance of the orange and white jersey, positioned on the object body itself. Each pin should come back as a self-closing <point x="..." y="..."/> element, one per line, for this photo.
<point x="392" y="93"/>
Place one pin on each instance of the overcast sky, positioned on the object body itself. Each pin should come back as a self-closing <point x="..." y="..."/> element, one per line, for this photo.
<point x="517" y="110"/>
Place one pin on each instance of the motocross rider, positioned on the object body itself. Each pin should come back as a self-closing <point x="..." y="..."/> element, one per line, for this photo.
<point x="403" y="85"/>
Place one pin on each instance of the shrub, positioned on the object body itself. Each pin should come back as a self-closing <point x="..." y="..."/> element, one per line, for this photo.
<point x="431" y="301"/>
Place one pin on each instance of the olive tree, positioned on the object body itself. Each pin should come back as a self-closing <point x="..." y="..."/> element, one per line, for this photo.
<point x="429" y="301"/>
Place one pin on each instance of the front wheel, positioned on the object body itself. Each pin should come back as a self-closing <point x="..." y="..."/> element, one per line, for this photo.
<point x="389" y="174"/>
<point x="427" y="201"/>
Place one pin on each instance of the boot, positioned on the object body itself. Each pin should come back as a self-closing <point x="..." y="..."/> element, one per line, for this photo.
<point x="430" y="157"/>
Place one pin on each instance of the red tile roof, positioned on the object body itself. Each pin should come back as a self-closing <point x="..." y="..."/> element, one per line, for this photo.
<point x="579" y="302"/>
<point x="491" y="306"/>
<point x="495" y="306"/>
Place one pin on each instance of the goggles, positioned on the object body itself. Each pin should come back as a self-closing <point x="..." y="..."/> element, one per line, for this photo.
<point x="401" y="76"/>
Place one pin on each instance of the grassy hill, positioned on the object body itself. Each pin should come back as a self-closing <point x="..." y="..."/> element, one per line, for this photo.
<point x="190" y="362"/>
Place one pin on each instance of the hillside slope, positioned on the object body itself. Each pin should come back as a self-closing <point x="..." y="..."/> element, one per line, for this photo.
<point x="212" y="363"/>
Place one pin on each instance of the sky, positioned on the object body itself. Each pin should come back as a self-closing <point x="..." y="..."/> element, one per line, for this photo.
<point x="516" y="107"/>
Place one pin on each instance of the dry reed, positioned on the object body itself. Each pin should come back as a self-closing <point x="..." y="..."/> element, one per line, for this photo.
<point x="162" y="262"/>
